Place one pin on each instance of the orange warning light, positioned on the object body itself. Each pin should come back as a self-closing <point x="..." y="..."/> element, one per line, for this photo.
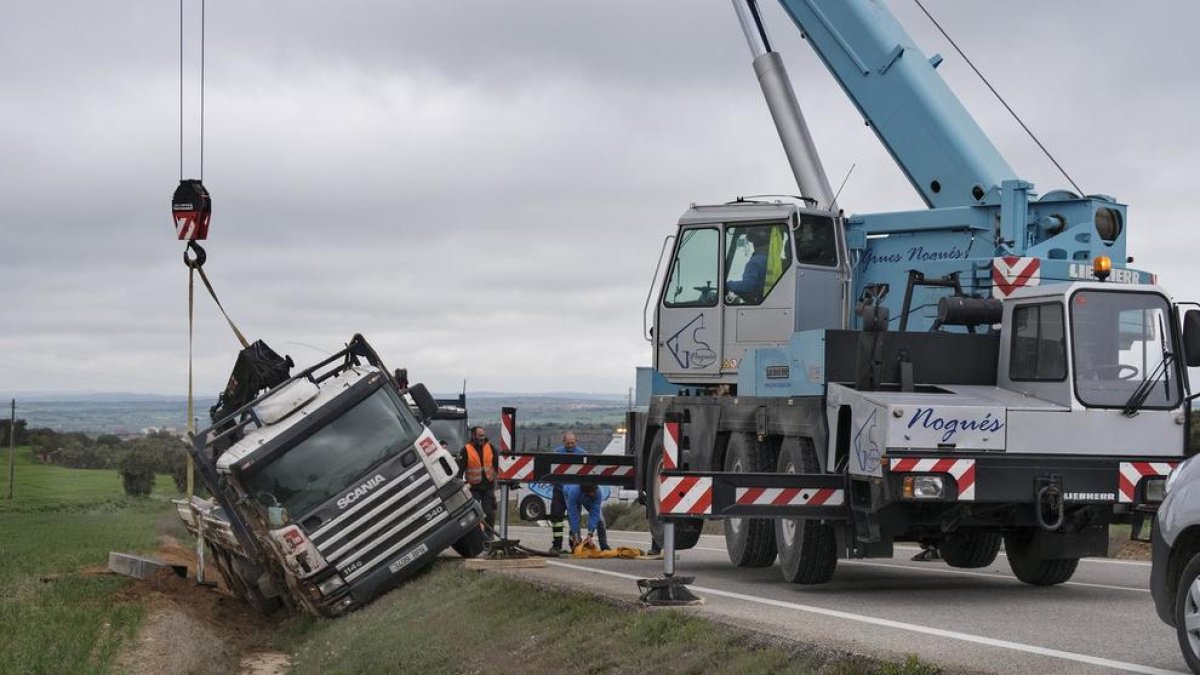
<point x="1101" y="267"/>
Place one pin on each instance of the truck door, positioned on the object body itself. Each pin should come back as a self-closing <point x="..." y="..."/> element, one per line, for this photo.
<point x="818" y="293"/>
<point x="759" y="288"/>
<point x="688" y="331"/>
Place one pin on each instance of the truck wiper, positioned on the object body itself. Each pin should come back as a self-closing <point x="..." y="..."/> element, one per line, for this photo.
<point x="1139" y="396"/>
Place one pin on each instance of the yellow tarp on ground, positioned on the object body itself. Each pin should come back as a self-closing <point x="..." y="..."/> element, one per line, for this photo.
<point x="584" y="551"/>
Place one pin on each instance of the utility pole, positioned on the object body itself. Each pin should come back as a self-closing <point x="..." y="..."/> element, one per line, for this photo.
<point x="12" y="446"/>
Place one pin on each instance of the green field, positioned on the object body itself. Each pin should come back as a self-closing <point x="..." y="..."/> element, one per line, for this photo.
<point x="61" y="521"/>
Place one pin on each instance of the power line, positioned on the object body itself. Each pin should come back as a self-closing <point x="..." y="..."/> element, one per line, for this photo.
<point x="1000" y="98"/>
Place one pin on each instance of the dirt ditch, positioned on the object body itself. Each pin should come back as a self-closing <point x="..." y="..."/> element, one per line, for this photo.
<point x="196" y="629"/>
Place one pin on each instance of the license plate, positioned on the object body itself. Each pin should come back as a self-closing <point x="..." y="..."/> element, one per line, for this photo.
<point x="408" y="558"/>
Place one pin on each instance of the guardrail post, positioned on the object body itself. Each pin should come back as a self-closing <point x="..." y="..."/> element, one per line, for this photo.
<point x="668" y="589"/>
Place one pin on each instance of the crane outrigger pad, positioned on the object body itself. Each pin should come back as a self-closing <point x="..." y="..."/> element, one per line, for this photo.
<point x="715" y="494"/>
<point x="668" y="592"/>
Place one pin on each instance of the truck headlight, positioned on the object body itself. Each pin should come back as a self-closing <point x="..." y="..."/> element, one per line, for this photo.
<point x="457" y="500"/>
<point x="1156" y="489"/>
<point x="924" y="487"/>
<point x="331" y="584"/>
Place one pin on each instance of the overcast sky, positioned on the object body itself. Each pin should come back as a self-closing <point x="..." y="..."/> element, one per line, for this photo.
<point x="482" y="187"/>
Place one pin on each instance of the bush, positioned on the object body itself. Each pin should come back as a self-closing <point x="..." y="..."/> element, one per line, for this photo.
<point x="137" y="473"/>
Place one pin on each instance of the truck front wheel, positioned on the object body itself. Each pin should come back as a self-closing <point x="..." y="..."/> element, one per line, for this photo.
<point x="749" y="541"/>
<point x="1031" y="568"/>
<point x="687" y="530"/>
<point x="471" y="544"/>
<point x="807" y="548"/>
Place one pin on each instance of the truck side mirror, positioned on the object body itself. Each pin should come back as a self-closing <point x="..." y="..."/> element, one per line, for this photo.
<point x="1191" y="337"/>
<point x="429" y="407"/>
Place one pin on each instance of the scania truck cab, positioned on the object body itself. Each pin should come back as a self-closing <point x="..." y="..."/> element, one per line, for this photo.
<point x="334" y="489"/>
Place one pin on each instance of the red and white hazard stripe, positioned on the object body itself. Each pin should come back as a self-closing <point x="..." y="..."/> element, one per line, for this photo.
<point x="1011" y="272"/>
<point x="685" y="495"/>
<point x="1133" y="472"/>
<point x="670" y="446"/>
<point x="564" y="469"/>
<point x="506" y="431"/>
<point x="962" y="470"/>
<point x="185" y="227"/>
<point x="516" y="468"/>
<point x="757" y="496"/>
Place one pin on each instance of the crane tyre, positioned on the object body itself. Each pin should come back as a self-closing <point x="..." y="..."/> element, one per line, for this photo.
<point x="687" y="530"/>
<point x="749" y="541"/>
<point x="1032" y="569"/>
<point x="807" y="548"/>
<point x="970" y="550"/>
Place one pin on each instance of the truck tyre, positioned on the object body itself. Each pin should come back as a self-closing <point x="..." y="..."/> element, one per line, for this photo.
<point x="749" y="541"/>
<point x="532" y="508"/>
<point x="1187" y="609"/>
<point x="471" y="544"/>
<point x="687" y="530"/>
<point x="807" y="548"/>
<point x="970" y="550"/>
<point x="1030" y="568"/>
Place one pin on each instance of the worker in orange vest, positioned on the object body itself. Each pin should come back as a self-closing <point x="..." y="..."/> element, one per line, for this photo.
<point x="479" y="465"/>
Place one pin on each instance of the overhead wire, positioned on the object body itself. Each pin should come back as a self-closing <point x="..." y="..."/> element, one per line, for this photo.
<point x="999" y="97"/>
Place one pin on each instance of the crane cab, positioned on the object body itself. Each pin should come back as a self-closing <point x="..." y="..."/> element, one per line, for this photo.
<point x="744" y="275"/>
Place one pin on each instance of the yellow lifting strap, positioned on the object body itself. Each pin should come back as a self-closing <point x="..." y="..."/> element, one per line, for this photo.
<point x="196" y="264"/>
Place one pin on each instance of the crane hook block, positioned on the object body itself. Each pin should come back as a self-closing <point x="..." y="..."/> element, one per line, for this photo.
<point x="192" y="209"/>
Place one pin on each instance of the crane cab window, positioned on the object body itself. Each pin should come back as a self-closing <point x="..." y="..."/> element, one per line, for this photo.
<point x="695" y="271"/>
<point x="756" y="256"/>
<point x="816" y="241"/>
<point x="1039" y="346"/>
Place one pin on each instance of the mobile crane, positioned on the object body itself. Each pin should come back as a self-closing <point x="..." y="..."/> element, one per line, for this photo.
<point x="860" y="393"/>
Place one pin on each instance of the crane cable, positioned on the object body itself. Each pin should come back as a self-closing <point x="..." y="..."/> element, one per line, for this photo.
<point x="191" y="208"/>
<point x="1000" y="98"/>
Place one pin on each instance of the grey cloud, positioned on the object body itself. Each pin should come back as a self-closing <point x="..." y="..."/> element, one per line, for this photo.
<point x="482" y="188"/>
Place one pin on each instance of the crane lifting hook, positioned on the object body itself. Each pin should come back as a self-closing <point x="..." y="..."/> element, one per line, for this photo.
<point x="197" y="260"/>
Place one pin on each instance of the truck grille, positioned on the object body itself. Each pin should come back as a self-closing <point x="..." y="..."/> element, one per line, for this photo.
<point x="392" y="517"/>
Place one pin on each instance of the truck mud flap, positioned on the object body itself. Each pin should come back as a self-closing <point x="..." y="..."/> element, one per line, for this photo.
<point x="558" y="468"/>
<point x="716" y="494"/>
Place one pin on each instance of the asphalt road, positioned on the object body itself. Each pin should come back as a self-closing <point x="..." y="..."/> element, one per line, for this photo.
<point x="1102" y="621"/>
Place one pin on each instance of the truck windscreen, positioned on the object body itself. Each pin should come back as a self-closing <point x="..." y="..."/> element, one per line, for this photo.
<point x="1122" y="341"/>
<point x="332" y="458"/>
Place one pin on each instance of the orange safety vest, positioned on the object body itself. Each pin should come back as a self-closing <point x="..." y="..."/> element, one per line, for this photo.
<point x="477" y="469"/>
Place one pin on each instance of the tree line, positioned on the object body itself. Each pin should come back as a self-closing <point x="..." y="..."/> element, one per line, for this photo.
<point x="137" y="460"/>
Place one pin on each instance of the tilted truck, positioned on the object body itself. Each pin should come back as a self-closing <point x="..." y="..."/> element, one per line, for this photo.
<point x="329" y="488"/>
<point x="959" y="376"/>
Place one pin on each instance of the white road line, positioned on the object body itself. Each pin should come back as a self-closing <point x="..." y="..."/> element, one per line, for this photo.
<point x="986" y="575"/>
<point x="915" y="628"/>
<point x="912" y="568"/>
<point x="903" y="548"/>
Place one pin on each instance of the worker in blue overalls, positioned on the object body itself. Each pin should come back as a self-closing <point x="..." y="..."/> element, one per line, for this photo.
<point x="558" y="505"/>
<point x="587" y="496"/>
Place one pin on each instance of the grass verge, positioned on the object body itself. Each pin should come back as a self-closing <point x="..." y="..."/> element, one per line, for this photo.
<point x="452" y="620"/>
<point x="54" y="616"/>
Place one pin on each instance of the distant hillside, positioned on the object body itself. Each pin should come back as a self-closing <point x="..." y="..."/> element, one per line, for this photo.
<point x="131" y="413"/>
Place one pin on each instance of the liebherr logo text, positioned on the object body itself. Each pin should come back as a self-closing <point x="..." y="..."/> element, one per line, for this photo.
<point x="361" y="491"/>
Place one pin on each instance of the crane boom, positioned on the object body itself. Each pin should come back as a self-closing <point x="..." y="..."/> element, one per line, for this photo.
<point x="932" y="137"/>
